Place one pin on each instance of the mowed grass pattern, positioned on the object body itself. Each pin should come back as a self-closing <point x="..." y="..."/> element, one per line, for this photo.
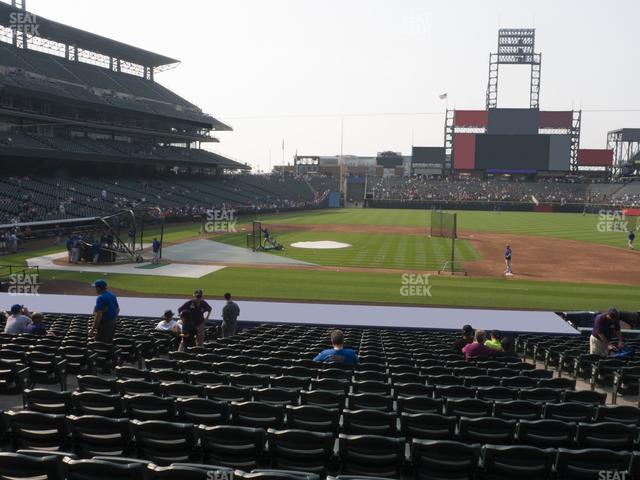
<point x="570" y="226"/>
<point x="383" y="250"/>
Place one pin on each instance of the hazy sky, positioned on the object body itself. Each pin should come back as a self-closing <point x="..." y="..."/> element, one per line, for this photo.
<point x="292" y="69"/>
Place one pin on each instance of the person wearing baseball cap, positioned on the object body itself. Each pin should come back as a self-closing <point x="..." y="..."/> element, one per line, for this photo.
<point x="105" y="313"/>
<point x="19" y="321"/>
<point x="200" y="311"/>
<point x="169" y="325"/>
<point x="606" y="326"/>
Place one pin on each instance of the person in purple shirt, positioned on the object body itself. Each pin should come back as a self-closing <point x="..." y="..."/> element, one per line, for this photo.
<point x="605" y="327"/>
<point x="37" y="327"/>
<point x="507" y="260"/>
<point x="200" y="311"/>
<point x="337" y="354"/>
<point x="478" y="348"/>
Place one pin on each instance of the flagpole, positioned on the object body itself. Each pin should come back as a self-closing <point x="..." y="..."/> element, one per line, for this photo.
<point x="343" y="177"/>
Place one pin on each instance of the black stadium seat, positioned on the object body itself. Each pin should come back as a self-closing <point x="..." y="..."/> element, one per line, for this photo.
<point x="164" y="443"/>
<point x="232" y="446"/>
<point x="93" y="435"/>
<point x="47" y="401"/>
<point x="100" y="469"/>
<point x="22" y="467"/>
<point x="619" y="413"/>
<point x="428" y="426"/>
<point x="190" y="471"/>
<point x="433" y="459"/>
<point x="202" y="411"/>
<point x="36" y="430"/>
<point x="149" y="407"/>
<point x="94" y="403"/>
<point x="518" y="410"/>
<point x="546" y="433"/>
<point x="592" y="463"/>
<point x="371" y="455"/>
<point x="369" y="422"/>
<point x="257" y="415"/>
<point x="312" y="417"/>
<point x="300" y="450"/>
<point x="609" y="435"/>
<point x="487" y="430"/>
<point x="521" y="462"/>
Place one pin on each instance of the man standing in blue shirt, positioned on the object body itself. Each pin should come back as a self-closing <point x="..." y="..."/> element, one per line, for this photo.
<point x="95" y="251"/>
<point x="155" y="247"/>
<point x="337" y="354"/>
<point x="105" y="314"/>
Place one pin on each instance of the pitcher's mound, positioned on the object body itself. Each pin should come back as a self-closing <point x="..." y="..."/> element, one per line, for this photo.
<point x="322" y="244"/>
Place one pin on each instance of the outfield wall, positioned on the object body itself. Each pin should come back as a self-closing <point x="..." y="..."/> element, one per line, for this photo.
<point x="484" y="206"/>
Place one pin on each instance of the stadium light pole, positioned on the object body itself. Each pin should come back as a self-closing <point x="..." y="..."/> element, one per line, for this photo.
<point x="343" y="177"/>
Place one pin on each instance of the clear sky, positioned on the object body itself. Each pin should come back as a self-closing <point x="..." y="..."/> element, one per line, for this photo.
<point x="292" y="69"/>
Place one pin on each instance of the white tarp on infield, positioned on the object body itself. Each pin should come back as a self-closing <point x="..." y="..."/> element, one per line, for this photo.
<point x="181" y="270"/>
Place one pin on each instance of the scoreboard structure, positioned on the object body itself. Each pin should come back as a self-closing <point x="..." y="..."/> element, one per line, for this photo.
<point x="525" y="141"/>
<point x="513" y="140"/>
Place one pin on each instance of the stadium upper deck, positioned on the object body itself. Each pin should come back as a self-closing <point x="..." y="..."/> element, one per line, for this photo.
<point x="78" y="94"/>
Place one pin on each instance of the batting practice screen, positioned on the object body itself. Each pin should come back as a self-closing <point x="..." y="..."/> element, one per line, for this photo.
<point x="443" y="224"/>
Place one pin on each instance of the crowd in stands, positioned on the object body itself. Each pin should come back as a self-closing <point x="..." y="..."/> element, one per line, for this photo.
<point x="188" y="330"/>
<point x="30" y="198"/>
<point x="475" y="344"/>
<point x="473" y="190"/>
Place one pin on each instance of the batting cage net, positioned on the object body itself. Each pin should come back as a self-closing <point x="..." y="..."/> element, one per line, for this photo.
<point x="443" y="224"/>
<point x="254" y="239"/>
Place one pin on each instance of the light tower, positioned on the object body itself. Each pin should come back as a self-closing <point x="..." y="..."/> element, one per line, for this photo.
<point x="516" y="46"/>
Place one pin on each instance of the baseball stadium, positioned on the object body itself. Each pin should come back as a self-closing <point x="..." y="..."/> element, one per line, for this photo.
<point x="467" y="310"/>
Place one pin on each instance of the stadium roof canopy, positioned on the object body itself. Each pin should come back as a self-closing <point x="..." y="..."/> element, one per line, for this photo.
<point x="67" y="35"/>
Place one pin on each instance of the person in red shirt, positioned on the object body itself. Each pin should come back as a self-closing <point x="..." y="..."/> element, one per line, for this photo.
<point x="478" y="348"/>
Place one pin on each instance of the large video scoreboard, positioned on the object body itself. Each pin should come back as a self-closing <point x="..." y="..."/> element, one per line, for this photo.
<point x="512" y="140"/>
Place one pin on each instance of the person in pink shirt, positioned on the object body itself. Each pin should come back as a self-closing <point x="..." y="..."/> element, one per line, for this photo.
<point x="478" y="348"/>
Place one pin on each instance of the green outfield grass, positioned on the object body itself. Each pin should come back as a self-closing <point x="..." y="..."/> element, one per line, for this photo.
<point x="337" y="286"/>
<point x="570" y="226"/>
<point x="369" y="250"/>
<point x="394" y="251"/>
